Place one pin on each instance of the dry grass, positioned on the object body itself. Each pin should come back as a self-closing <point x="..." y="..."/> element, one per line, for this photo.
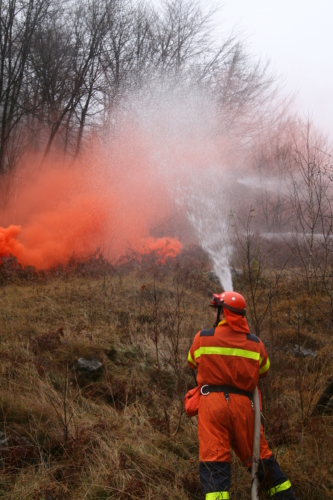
<point x="122" y="434"/>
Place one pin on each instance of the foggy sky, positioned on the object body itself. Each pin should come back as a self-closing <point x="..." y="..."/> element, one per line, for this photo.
<point x="297" y="36"/>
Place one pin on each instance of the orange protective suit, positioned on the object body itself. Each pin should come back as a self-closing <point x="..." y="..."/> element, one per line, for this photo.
<point x="237" y="359"/>
<point x="224" y="356"/>
<point x="223" y="424"/>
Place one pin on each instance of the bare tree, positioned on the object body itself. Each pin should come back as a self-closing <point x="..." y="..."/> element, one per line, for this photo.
<point x="271" y="164"/>
<point x="182" y="34"/>
<point x="66" y="61"/>
<point x="64" y="65"/>
<point x="19" y="19"/>
<point x="311" y="193"/>
<point x="261" y="284"/>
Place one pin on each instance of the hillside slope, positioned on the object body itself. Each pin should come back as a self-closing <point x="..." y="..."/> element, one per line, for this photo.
<point x="120" y="432"/>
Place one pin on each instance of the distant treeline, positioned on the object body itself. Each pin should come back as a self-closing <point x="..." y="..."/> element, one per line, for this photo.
<point x="65" y="66"/>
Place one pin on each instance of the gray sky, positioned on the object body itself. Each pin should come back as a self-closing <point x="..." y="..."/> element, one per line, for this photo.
<point x="297" y="36"/>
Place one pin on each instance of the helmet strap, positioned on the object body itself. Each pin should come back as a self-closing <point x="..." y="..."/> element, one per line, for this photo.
<point x="218" y="315"/>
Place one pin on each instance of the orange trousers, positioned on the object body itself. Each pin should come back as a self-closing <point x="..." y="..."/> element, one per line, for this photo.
<point x="223" y="424"/>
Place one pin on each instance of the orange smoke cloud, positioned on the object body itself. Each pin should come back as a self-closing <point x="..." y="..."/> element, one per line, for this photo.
<point x="111" y="199"/>
<point x="107" y="201"/>
<point x="9" y="245"/>
<point x="53" y="237"/>
<point x="164" y="248"/>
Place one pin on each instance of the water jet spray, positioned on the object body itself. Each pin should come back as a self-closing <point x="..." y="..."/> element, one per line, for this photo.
<point x="207" y="216"/>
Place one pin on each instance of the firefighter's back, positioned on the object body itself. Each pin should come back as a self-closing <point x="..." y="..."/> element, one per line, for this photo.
<point x="226" y="357"/>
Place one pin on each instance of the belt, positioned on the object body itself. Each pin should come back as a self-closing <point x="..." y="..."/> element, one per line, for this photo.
<point x="227" y="389"/>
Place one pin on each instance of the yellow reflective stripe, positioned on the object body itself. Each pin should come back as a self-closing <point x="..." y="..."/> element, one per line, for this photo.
<point x="280" y="487"/>
<point x="190" y="360"/>
<point x="227" y="351"/>
<point x="218" y="495"/>
<point x="265" y="367"/>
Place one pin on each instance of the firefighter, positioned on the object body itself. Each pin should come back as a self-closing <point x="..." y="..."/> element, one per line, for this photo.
<point x="230" y="360"/>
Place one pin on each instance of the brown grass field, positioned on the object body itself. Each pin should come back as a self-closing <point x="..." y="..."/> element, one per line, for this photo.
<point x="122" y="433"/>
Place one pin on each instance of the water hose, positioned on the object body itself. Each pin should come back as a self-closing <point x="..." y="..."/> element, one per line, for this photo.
<point x="256" y="446"/>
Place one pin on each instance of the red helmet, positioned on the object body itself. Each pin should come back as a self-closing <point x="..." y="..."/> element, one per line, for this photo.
<point x="232" y="301"/>
<point x="234" y="308"/>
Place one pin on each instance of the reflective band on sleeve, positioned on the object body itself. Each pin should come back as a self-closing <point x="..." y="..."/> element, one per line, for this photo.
<point x="265" y="367"/>
<point x="280" y="487"/>
<point x="218" y="495"/>
<point x="227" y="351"/>
<point x="190" y="360"/>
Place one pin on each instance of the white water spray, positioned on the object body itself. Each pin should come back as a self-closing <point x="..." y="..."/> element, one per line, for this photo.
<point x="190" y="152"/>
<point x="209" y="219"/>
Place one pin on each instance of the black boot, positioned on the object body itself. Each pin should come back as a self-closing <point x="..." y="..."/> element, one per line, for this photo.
<point x="274" y="480"/>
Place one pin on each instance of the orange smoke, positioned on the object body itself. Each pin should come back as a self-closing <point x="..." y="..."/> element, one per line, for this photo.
<point x="106" y="201"/>
<point x="164" y="248"/>
<point x="53" y="237"/>
<point x="9" y="245"/>
<point x="110" y="200"/>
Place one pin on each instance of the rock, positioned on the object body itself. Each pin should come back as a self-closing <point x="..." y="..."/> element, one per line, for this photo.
<point x="325" y="402"/>
<point x="3" y="440"/>
<point x="89" y="365"/>
<point x="16" y="451"/>
<point x="212" y="277"/>
<point x="300" y="352"/>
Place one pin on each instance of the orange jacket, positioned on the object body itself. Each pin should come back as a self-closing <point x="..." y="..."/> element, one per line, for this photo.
<point x="224" y="356"/>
